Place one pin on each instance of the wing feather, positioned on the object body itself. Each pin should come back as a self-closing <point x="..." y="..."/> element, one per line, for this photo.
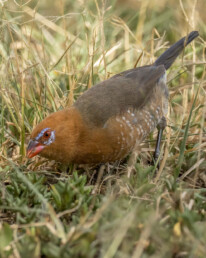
<point x="130" y="89"/>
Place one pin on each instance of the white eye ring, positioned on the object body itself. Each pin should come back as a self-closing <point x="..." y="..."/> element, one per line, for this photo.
<point x="51" y="138"/>
<point x="41" y="133"/>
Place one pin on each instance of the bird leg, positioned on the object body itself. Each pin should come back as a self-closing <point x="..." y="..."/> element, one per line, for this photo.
<point x="131" y="162"/>
<point x="161" y="126"/>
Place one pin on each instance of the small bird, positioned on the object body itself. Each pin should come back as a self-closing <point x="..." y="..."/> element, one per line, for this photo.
<point x="110" y="119"/>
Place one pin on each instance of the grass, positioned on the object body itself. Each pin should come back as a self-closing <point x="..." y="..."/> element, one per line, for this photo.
<point x="51" y="52"/>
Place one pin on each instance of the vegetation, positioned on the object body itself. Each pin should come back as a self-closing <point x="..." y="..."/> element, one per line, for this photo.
<point x="51" y="52"/>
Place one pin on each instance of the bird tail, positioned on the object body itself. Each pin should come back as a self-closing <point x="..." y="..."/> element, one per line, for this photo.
<point x="169" y="56"/>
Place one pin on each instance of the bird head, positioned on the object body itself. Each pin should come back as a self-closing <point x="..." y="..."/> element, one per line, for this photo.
<point x="56" y="136"/>
<point x="43" y="139"/>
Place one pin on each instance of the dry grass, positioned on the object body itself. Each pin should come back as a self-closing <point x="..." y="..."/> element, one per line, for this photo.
<point x="51" y="52"/>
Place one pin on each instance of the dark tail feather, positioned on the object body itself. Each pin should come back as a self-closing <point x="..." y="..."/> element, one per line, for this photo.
<point x="169" y="56"/>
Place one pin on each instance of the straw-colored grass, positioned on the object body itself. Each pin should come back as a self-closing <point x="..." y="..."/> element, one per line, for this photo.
<point x="50" y="53"/>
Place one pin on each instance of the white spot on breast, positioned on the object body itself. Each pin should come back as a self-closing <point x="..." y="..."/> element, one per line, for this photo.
<point x="147" y="113"/>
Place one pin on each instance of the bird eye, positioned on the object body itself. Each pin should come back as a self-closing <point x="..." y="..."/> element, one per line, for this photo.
<point x="47" y="134"/>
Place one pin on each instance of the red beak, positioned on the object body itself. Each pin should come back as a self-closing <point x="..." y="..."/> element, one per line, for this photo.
<point x="34" y="148"/>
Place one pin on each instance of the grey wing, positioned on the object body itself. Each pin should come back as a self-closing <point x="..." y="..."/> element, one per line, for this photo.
<point x="129" y="89"/>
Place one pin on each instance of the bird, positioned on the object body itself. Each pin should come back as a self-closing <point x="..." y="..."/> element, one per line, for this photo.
<point x="110" y="120"/>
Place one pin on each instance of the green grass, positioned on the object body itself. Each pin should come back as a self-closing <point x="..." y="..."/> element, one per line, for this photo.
<point x="50" y="53"/>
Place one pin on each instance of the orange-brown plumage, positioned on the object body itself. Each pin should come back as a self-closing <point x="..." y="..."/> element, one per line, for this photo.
<point x="111" y="119"/>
